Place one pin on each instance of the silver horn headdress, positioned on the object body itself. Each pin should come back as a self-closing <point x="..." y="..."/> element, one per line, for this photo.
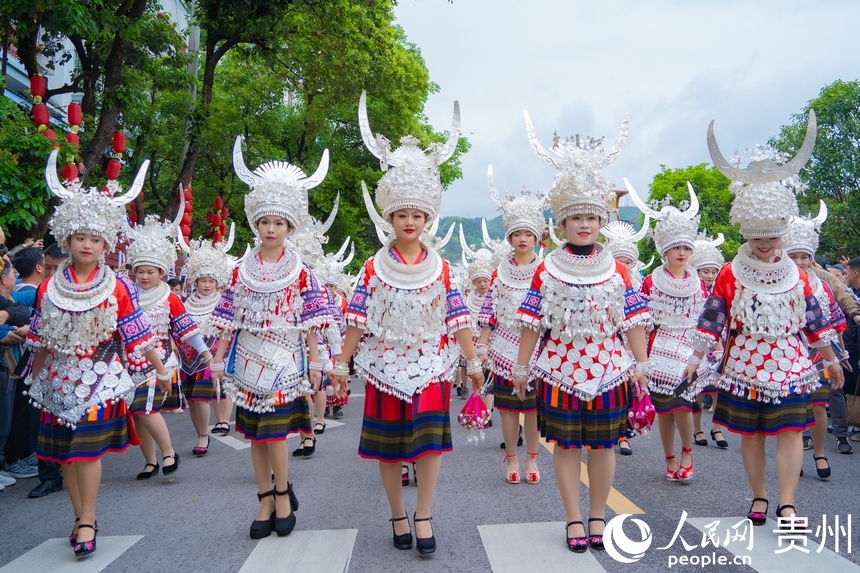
<point x="765" y="201"/>
<point x="621" y="237"/>
<point x="413" y="180"/>
<point x="310" y="236"/>
<point x="802" y="233"/>
<point x="205" y="259"/>
<point x="519" y="213"/>
<point x="578" y="187"/>
<point x="480" y="263"/>
<point x="705" y="252"/>
<point x="674" y="227"/>
<point x="100" y="212"/>
<point x="278" y="188"/>
<point x="152" y="243"/>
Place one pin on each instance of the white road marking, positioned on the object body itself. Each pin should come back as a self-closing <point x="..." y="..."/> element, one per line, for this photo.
<point x="518" y="547"/>
<point x="56" y="556"/>
<point x="324" y="551"/>
<point x="240" y="444"/>
<point x="765" y="542"/>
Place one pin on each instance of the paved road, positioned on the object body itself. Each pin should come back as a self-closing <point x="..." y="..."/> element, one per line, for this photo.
<point x="198" y="520"/>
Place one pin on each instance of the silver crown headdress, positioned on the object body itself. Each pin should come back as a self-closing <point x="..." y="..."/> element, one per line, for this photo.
<point x="765" y="201"/>
<point x="519" y="213"/>
<point x="578" y="187"/>
<point x="674" y="227"/>
<point x="802" y="233"/>
<point x="208" y="259"/>
<point x="309" y="237"/>
<point x="414" y="181"/>
<point x="330" y="269"/>
<point x="90" y="210"/>
<point x="278" y="188"/>
<point x="621" y="237"/>
<point x="153" y="242"/>
<point x="385" y="232"/>
<point x="706" y="254"/>
<point x="484" y="261"/>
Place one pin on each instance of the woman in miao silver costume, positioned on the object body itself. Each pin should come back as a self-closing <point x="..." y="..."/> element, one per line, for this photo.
<point x="766" y="303"/>
<point x="270" y="319"/>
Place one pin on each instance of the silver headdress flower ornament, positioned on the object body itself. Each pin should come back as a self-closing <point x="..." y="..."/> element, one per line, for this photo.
<point x="578" y="187"/>
<point x="90" y="210"/>
<point x="802" y="233"/>
<point x="765" y="201"/>
<point x="413" y="182"/>
<point x="330" y="270"/>
<point x="152" y="243"/>
<point x="674" y="227"/>
<point x="621" y="237"/>
<point x="278" y="188"/>
<point x="208" y="259"/>
<point x="519" y="213"/>
<point x="706" y="254"/>
<point x="480" y="263"/>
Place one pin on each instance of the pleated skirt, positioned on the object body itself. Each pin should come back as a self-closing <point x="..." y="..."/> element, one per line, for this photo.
<point x="570" y="422"/>
<point x="749" y="417"/>
<point x="99" y="432"/>
<point x="505" y="400"/>
<point x="290" y="418"/>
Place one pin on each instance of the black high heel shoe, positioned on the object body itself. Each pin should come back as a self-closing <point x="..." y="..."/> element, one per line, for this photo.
<point x="596" y="541"/>
<point x="308" y="451"/>
<point x="758" y="517"/>
<point x="793" y="524"/>
<point x="424" y="545"/>
<point x="823" y="473"/>
<point x="576" y="544"/>
<point x="148" y="474"/>
<point x="294" y="501"/>
<point x="167" y="470"/>
<point x="702" y="442"/>
<point x="261" y="529"/>
<point x="403" y="541"/>
<point x="720" y="443"/>
<point x="73" y="538"/>
<point x="285" y="525"/>
<point x="84" y="548"/>
<point x="200" y="451"/>
<point x="404" y="477"/>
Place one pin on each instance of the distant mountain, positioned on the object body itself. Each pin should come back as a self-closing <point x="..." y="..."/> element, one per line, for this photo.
<point x="472" y="231"/>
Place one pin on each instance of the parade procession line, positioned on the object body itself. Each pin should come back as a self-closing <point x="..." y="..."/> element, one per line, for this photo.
<point x="518" y="547"/>
<point x="617" y="502"/>
<point x="240" y="445"/>
<point x="766" y="543"/>
<point x="323" y="551"/>
<point x="54" y="555"/>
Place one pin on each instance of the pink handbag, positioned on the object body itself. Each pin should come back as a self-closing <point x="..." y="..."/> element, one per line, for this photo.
<point x="474" y="417"/>
<point x="641" y="415"/>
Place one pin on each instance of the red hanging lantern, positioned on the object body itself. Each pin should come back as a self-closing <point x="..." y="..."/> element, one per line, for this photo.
<point x="216" y="220"/>
<point x="223" y="228"/>
<point x="113" y="170"/>
<point x="38" y="85"/>
<point x="188" y="194"/>
<point x="186" y="230"/>
<point x="209" y="216"/>
<point x="133" y="217"/>
<point x="188" y="207"/>
<point x="75" y="114"/>
<point x="41" y="116"/>
<point x="70" y="171"/>
<point x="186" y="220"/>
<point x="118" y="142"/>
<point x="50" y="134"/>
<point x="74" y="139"/>
<point x="216" y="237"/>
<point x="219" y="203"/>
<point x="225" y="213"/>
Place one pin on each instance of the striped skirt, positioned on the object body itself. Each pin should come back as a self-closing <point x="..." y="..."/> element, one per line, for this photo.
<point x="664" y="404"/>
<point x="198" y="387"/>
<point x="506" y="401"/>
<point x="749" y="417"/>
<point x="821" y="397"/>
<point x="395" y="430"/>
<point x="138" y="405"/>
<point x="100" y="431"/>
<point x="287" y="419"/>
<point x="569" y="422"/>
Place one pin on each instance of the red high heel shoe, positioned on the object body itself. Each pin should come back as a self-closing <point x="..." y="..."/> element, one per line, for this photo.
<point x="671" y="475"/>
<point x="685" y="473"/>
<point x="533" y="478"/>
<point x="513" y="477"/>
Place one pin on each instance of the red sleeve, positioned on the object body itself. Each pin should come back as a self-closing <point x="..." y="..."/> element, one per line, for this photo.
<point x="647" y="284"/>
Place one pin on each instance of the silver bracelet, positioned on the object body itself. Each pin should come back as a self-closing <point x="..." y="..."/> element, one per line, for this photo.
<point x="645" y="368"/>
<point x="166" y="378"/>
<point x="340" y="369"/>
<point x="520" y="371"/>
<point x="481" y="349"/>
<point x="473" y="366"/>
<point x="217" y="367"/>
<point x="694" y="359"/>
<point x="315" y="366"/>
<point x="826" y="363"/>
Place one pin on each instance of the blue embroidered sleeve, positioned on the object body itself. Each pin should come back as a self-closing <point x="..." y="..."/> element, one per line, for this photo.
<point x="634" y="304"/>
<point x="315" y="307"/>
<point x="456" y="311"/>
<point x="131" y="324"/>
<point x="714" y="316"/>
<point x="816" y="323"/>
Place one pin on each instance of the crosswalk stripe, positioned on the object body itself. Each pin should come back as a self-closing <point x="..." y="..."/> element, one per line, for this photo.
<point x="323" y="551"/>
<point x="617" y="501"/>
<point x="517" y="547"/>
<point x="765" y="542"/>
<point x="55" y="555"/>
<point x="239" y="444"/>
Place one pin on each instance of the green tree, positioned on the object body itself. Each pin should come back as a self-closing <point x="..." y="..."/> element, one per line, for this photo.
<point x="833" y="173"/>
<point x="712" y="189"/>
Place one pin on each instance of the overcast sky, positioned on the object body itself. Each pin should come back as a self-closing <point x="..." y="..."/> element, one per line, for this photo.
<point x="578" y="66"/>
